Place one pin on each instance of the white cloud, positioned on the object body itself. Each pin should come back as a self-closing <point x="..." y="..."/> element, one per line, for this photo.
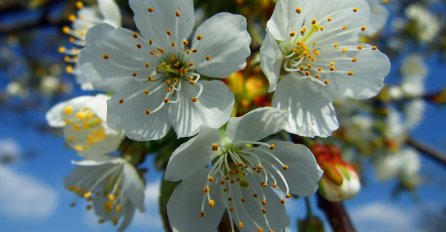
<point x="151" y="219"/>
<point x="383" y="217"/>
<point x="23" y="196"/>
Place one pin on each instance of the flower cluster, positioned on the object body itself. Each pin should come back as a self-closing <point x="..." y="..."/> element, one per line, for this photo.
<point x="169" y="74"/>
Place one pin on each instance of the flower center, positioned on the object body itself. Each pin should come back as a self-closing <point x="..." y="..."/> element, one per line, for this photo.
<point x="83" y="128"/>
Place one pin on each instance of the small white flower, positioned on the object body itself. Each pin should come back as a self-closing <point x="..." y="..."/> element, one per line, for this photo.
<point x="234" y="172"/>
<point x="403" y="164"/>
<point x="113" y="186"/>
<point x="156" y="75"/>
<point x="414" y="112"/>
<point x="427" y="25"/>
<point x="378" y="17"/>
<point x="15" y="89"/>
<point x="414" y="71"/>
<point x="84" y="124"/>
<point x="309" y="40"/>
<point x="107" y="11"/>
<point x="50" y="85"/>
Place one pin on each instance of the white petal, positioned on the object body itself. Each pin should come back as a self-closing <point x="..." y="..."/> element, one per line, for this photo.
<point x="310" y="113"/>
<point x="154" y="25"/>
<point x="133" y="186"/>
<point x="124" y="58"/>
<point x="368" y="75"/>
<point x="271" y="60"/>
<point x="213" y="108"/>
<point x="131" y="115"/>
<point x="379" y="16"/>
<point x="250" y="211"/>
<point x="285" y="19"/>
<point x="226" y="41"/>
<point x="184" y="206"/>
<point x="110" y="11"/>
<point x="195" y="154"/>
<point x="256" y="124"/>
<point x="303" y="172"/>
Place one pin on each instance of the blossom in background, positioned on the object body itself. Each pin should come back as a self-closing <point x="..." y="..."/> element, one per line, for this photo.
<point x="156" y="75"/>
<point x="340" y="181"/>
<point x="107" y="11"/>
<point x="84" y="124"/>
<point x="426" y="25"/>
<point x="112" y="187"/>
<point x="404" y="164"/>
<point x="234" y="172"/>
<point x="309" y="42"/>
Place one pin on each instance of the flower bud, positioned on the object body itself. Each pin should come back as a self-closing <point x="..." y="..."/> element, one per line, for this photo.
<point x="340" y="180"/>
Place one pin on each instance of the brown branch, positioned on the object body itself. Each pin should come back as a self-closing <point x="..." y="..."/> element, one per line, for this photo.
<point x="336" y="214"/>
<point x="427" y="151"/>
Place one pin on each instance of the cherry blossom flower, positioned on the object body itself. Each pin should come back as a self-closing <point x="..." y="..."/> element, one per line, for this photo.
<point x="156" y="74"/>
<point x="309" y="60"/>
<point x="232" y="172"/>
<point x="84" y="124"/>
<point x="112" y="186"/>
<point x="107" y="11"/>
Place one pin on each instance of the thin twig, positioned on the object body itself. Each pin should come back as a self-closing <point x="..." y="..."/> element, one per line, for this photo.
<point x="427" y="151"/>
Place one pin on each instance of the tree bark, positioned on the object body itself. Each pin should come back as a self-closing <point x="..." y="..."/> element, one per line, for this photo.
<point x="427" y="151"/>
<point x="336" y="214"/>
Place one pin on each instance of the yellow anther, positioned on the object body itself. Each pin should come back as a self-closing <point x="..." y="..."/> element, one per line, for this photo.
<point x="285" y="167"/>
<point x="272" y="146"/>
<point x="66" y="30"/>
<point x="211" y="203"/>
<point x="288" y="195"/>
<point x="79" y="5"/>
<point x="326" y="82"/>
<point x="150" y="9"/>
<point x="68" y="110"/>
<point x="354" y="59"/>
<point x="208" y="58"/>
<point x="173" y="44"/>
<point x="195" y="50"/>
<point x="166" y="100"/>
<point x="88" y="195"/>
<point x="241" y="225"/>
<point x="374" y="48"/>
<point x="111" y="197"/>
<point x="199" y="37"/>
<point x="298" y="10"/>
<point x="292" y="34"/>
<point x="206" y="189"/>
<point x="344" y="28"/>
<point x="185" y="42"/>
<point x="118" y="208"/>
<point x="264" y="202"/>
<point x="282" y="201"/>
<point x="202" y="214"/>
<point x="344" y="50"/>
<point x="329" y="19"/>
<point x="211" y="179"/>
<point x="259" y="229"/>
<point x="150" y="42"/>
<point x="263" y="210"/>
<point x="148" y="111"/>
<point x="194" y="99"/>
<point x="350" y="73"/>
<point x="355" y="9"/>
<point x="169" y="33"/>
<point x="214" y="147"/>
<point x="363" y="28"/>
<point x="106" y="56"/>
<point x="178" y="13"/>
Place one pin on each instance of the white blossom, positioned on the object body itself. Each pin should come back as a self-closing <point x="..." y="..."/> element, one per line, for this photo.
<point x="112" y="186"/>
<point x="309" y="41"/>
<point x="414" y="72"/>
<point x="106" y="11"/>
<point x="404" y="164"/>
<point x="84" y="124"/>
<point x="156" y="74"/>
<point x="427" y="25"/>
<point x="233" y="172"/>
